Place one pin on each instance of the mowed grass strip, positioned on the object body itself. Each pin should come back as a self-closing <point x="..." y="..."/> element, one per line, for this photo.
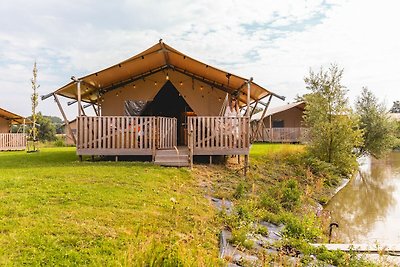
<point x="55" y="210"/>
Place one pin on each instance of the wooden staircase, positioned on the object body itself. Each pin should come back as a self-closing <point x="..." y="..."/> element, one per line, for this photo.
<point x="178" y="157"/>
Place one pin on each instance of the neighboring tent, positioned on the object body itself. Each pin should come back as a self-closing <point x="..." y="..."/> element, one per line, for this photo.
<point x="275" y="110"/>
<point x="8" y="118"/>
<point x="279" y="124"/>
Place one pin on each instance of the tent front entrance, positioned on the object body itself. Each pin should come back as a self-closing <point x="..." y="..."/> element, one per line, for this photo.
<point x="169" y="103"/>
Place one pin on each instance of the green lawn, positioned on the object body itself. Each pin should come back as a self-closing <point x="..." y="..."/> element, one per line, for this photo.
<point x="55" y="210"/>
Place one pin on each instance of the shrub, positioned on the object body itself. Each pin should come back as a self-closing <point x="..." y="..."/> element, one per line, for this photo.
<point x="291" y="195"/>
<point x="307" y="228"/>
<point x="239" y="238"/>
<point x="240" y="191"/>
<point x="59" y="142"/>
<point x="269" y="203"/>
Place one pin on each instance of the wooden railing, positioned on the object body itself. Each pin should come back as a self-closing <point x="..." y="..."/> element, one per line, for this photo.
<point x="218" y="135"/>
<point x="281" y="135"/>
<point x="12" y="141"/>
<point x="167" y="132"/>
<point x="116" y="135"/>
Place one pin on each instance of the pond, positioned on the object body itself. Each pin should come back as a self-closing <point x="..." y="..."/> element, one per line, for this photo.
<point x="367" y="209"/>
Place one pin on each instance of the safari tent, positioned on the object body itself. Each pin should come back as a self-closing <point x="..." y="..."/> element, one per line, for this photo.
<point x="282" y="124"/>
<point x="162" y="103"/>
<point x="8" y="140"/>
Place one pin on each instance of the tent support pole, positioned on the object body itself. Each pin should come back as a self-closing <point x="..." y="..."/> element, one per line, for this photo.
<point x="78" y="86"/>
<point x="65" y="117"/>
<point x="262" y="117"/>
<point x="248" y="96"/>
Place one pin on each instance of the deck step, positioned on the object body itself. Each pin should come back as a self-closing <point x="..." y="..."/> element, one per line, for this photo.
<point x="172" y="157"/>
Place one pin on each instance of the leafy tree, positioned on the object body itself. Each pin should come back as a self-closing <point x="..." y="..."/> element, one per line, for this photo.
<point x="378" y="128"/>
<point x="333" y="129"/>
<point x="58" y="123"/>
<point x="395" y="108"/>
<point x="46" y="128"/>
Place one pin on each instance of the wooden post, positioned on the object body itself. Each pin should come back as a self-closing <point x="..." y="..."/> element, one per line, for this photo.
<point x="248" y="96"/>
<point x="246" y="164"/>
<point x="154" y="138"/>
<point x="270" y="128"/>
<point x="78" y="86"/>
<point x="65" y="117"/>
<point x="262" y="117"/>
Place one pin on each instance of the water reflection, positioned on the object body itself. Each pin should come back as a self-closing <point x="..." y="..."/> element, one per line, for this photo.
<point x="368" y="209"/>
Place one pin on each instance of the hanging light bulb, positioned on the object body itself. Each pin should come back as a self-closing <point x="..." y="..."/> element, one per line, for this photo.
<point x="181" y="83"/>
<point x="155" y="83"/>
<point x="219" y="99"/>
<point x="201" y="88"/>
<point x="134" y="86"/>
<point x="167" y="77"/>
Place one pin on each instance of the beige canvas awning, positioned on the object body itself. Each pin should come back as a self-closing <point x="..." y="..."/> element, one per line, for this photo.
<point x="161" y="57"/>
<point x="13" y="118"/>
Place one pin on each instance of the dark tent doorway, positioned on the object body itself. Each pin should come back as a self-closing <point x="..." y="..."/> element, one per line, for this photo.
<point x="170" y="103"/>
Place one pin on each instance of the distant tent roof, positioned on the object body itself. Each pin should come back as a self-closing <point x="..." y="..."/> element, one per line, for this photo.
<point x="157" y="58"/>
<point x="14" y="118"/>
<point x="272" y="111"/>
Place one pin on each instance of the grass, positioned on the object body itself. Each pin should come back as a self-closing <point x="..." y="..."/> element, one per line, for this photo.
<point x="55" y="210"/>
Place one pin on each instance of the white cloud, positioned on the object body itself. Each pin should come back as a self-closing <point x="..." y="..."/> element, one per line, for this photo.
<point x="276" y="42"/>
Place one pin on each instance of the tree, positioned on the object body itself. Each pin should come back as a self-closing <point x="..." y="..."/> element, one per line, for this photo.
<point x="395" y="108"/>
<point x="333" y="131"/>
<point x="378" y="129"/>
<point x="46" y="128"/>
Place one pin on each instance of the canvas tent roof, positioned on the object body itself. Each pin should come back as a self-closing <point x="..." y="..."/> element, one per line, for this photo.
<point x="14" y="118"/>
<point x="161" y="57"/>
<point x="275" y="110"/>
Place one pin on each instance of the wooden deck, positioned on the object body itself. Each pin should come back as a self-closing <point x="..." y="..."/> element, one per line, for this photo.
<point x="219" y="135"/>
<point x="12" y="141"/>
<point x="371" y="248"/>
<point x="125" y="135"/>
<point x="281" y="135"/>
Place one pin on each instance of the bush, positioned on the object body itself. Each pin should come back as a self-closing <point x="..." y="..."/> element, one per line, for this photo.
<point x="240" y="191"/>
<point x="291" y="195"/>
<point x="269" y="203"/>
<point x="307" y="228"/>
<point x="59" y="142"/>
<point x="239" y="238"/>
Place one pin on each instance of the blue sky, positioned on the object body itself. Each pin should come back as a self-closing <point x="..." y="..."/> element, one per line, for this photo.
<point x="276" y="42"/>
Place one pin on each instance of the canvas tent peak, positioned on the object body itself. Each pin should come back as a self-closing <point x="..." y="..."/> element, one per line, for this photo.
<point x="160" y="57"/>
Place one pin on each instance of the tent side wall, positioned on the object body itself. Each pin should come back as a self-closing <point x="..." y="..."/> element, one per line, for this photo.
<point x="292" y="118"/>
<point x="4" y="125"/>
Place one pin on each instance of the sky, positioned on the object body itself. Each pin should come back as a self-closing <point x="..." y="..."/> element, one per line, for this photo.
<point x="275" y="42"/>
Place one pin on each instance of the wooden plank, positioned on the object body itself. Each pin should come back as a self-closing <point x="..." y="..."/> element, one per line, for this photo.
<point x="131" y="129"/>
<point x="94" y="133"/>
<point x="122" y="132"/>
<point x="114" y="152"/>
<point x="221" y="151"/>
<point x="372" y="248"/>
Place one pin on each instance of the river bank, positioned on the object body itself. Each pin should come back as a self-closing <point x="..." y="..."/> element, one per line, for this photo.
<point x="283" y="188"/>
